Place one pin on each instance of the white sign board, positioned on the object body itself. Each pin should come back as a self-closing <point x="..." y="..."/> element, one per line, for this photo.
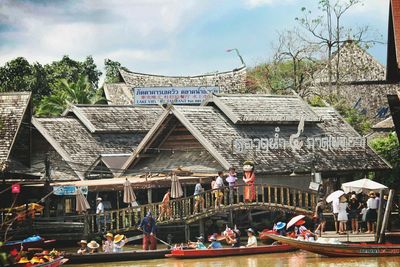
<point x="173" y="95"/>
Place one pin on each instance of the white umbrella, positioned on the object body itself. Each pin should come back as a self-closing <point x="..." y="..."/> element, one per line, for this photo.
<point x="129" y="195"/>
<point x="362" y="185"/>
<point x="82" y="204"/>
<point x="334" y="195"/>
<point x="176" y="187"/>
<point x="294" y="220"/>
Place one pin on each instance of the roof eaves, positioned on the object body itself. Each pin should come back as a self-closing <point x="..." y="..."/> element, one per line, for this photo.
<point x="223" y="107"/>
<point x="82" y="118"/>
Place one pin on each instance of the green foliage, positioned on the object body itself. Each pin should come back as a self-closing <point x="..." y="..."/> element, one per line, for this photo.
<point x="111" y="67"/>
<point x="79" y="92"/>
<point x="316" y="101"/>
<point x="389" y="148"/>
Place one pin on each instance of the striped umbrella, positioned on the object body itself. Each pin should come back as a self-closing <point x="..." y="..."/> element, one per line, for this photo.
<point x="176" y="187"/>
<point x="82" y="204"/>
<point x="129" y="195"/>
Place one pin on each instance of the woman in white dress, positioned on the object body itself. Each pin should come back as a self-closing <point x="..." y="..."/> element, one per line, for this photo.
<point x="342" y="215"/>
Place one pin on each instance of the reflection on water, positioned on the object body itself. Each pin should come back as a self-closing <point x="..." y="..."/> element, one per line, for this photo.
<point x="274" y="260"/>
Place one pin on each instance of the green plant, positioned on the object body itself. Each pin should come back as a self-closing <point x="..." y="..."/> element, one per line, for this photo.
<point x="316" y="101"/>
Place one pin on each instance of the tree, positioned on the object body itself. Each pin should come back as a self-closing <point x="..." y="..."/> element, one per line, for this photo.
<point x="79" y="92"/>
<point x="16" y="75"/>
<point x="327" y="31"/>
<point x="112" y="70"/>
<point x="388" y="147"/>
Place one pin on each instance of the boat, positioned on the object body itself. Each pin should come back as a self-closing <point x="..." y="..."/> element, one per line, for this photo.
<point x="53" y="263"/>
<point x="222" y="252"/>
<point x="263" y="236"/>
<point x="30" y="242"/>
<point x="342" y="249"/>
<point x="117" y="256"/>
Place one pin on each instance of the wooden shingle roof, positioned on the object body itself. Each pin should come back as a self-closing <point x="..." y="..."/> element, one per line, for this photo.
<point x="217" y="133"/>
<point x="78" y="146"/>
<point x="118" y="94"/>
<point x="267" y="109"/>
<point x="385" y="124"/>
<point x="111" y="118"/>
<point x="12" y="109"/>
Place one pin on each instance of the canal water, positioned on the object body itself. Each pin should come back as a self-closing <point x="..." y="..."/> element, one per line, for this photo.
<point x="299" y="258"/>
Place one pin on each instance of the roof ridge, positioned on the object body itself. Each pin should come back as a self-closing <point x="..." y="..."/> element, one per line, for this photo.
<point x="16" y="93"/>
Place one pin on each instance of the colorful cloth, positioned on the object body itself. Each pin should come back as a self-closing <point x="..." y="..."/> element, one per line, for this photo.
<point x="108" y="246"/>
<point x="249" y="190"/>
<point x="215" y="244"/>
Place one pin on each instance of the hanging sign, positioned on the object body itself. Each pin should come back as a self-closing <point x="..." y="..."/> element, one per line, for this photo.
<point x="173" y="95"/>
<point x="69" y="190"/>
<point x="16" y="188"/>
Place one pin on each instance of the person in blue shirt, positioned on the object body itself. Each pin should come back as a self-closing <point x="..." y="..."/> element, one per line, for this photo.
<point x="215" y="244"/>
<point x="149" y="228"/>
<point x="197" y="245"/>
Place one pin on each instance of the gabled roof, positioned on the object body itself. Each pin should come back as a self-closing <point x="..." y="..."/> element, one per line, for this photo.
<point x="217" y="134"/>
<point x="78" y="146"/>
<point x="384" y="124"/>
<point x="263" y="109"/>
<point x="118" y="119"/>
<point x="355" y="65"/>
<point x="118" y="94"/>
<point x="12" y="109"/>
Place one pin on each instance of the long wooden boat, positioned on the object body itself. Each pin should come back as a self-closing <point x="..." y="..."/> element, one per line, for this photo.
<point x="222" y="252"/>
<point x="118" y="256"/>
<point x="342" y="249"/>
<point x="54" y="263"/>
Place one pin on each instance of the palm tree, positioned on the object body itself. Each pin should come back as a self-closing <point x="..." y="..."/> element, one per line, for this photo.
<point x="79" y="92"/>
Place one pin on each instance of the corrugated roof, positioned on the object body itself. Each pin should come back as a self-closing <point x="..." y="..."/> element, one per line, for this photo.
<point x="268" y="109"/>
<point x="111" y="118"/>
<point x="12" y="109"/>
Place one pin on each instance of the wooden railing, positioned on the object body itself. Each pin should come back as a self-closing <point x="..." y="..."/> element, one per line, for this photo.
<point x="183" y="209"/>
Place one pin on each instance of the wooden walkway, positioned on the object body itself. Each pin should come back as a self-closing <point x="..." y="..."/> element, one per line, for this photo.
<point x="349" y="237"/>
<point x="268" y="197"/>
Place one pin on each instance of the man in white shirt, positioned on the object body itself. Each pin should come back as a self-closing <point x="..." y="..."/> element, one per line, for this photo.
<point x="100" y="212"/>
<point x="335" y="211"/>
<point x="252" y="240"/>
<point x="219" y="184"/>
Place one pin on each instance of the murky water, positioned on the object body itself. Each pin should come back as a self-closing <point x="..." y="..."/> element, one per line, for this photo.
<point x="299" y="258"/>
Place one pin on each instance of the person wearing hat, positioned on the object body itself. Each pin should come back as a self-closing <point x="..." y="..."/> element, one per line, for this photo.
<point x="197" y="245"/>
<point x="234" y="240"/>
<point x="108" y="245"/>
<point x="319" y="216"/>
<point x="342" y="215"/>
<point x="149" y="229"/>
<point x="93" y="246"/>
<point x="354" y="209"/>
<point x="300" y="229"/>
<point x="251" y="240"/>
<point x="83" y="249"/>
<point x="100" y="212"/>
<point x="23" y="260"/>
<point x="214" y="242"/>
<point x="372" y="206"/>
<point x="279" y="227"/>
<point x="119" y="243"/>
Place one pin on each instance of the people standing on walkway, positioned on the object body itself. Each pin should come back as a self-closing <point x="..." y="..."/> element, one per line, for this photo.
<point x="372" y="206"/>
<point x="148" y="226"/>
<point x="319" y="215"/>
<point x="354" y="209"/>
<point x="342" y="215"/>
<point x="108" y="245"/>
<point x="249" y="179"/>
<point x="100" y="213"/>
<point x="218" y="186"/>
<point x="165" y="208"/>
<point x="198" y="197"/>
<point x="232" y="183"/>
<point x="251" y="240"/>
<point x="335" y="211"/>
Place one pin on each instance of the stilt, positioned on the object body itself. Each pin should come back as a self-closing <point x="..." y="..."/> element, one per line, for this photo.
<point x="380" y="217"/>
<point x="386" y="217"/>
<point x="231" y="218"/>
<point x="187" y="232"/>
<point x="149" y="196"/>
<point x="201" y="227"/>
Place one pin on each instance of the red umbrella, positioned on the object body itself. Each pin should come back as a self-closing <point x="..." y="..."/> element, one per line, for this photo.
<point x="294" y="220"/>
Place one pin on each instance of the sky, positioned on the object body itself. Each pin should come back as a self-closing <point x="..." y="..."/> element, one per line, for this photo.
<point x="170" y="37"/>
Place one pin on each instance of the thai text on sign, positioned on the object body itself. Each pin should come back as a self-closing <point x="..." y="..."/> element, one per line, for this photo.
<point x="173" y="95"/>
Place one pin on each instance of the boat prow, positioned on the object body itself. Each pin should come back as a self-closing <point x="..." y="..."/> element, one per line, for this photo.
<point x="342" y="249"/>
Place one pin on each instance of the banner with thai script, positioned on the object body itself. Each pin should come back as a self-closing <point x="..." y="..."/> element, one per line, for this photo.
<point x="69" y="190"/>
<point x="173" y="95"/>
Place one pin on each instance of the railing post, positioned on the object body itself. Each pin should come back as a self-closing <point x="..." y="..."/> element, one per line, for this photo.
<point x="282" y="199"/>
<point x="301" y="199"/>
<point x="306" y="201"/>
<point x="269" y="195"/>
<point x="111" y="220"/>
<point x="288" y="196"/>
<point x="276" y="195"/>
<point x="263" y="194"/>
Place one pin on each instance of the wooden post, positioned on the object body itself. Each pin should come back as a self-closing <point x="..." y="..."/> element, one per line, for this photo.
<point x="149" y="196"/>
<point x="269" y="195"/>
<point x="187" y="232"/>
<point x="386" y="216"/>
<point x="263" y="194"/>
<point x="282" y="197"/>
<point x="201" y="227"/>
<point x="380" y="217"/>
